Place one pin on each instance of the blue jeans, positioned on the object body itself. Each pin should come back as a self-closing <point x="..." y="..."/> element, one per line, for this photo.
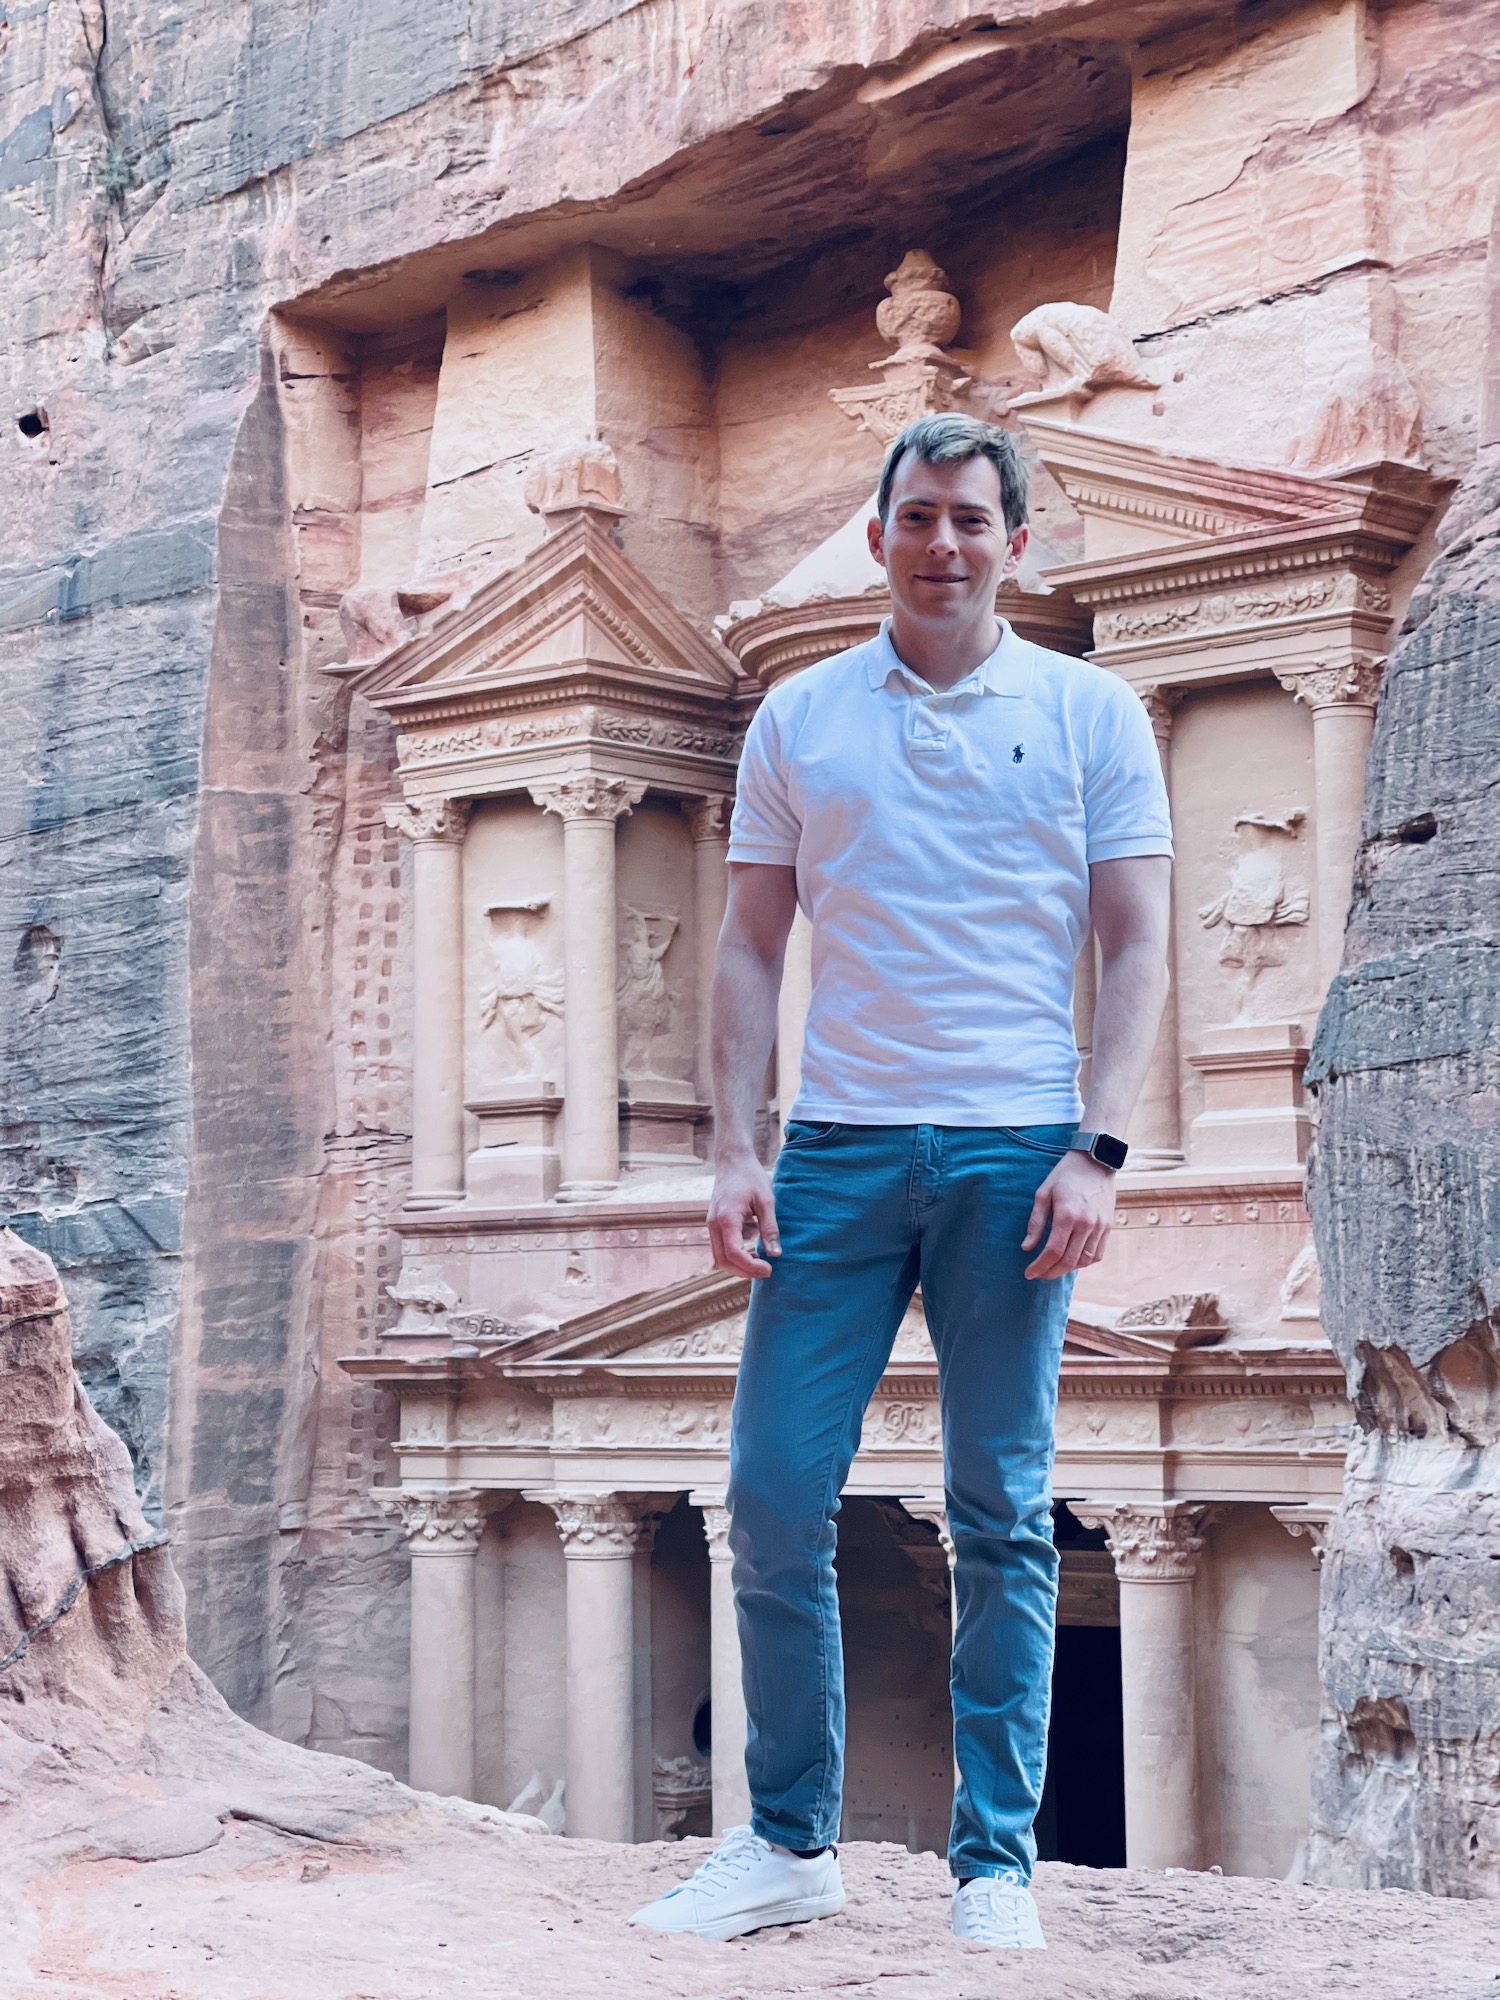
<point x="867" y="1213"/>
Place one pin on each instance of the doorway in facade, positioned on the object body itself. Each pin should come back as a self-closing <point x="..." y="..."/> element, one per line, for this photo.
<point x="1082" y="1816"/>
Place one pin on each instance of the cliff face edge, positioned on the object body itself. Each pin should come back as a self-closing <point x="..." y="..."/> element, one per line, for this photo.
<point x="1405" y="1195"/>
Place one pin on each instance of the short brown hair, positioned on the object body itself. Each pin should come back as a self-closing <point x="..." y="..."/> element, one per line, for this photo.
<point x="950" y="439"/>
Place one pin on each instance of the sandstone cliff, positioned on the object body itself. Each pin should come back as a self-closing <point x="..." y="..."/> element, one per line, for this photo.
<point x="1406" y="1204"/>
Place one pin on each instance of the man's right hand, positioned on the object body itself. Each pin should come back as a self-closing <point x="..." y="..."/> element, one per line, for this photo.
<point x="743" y="1205"/>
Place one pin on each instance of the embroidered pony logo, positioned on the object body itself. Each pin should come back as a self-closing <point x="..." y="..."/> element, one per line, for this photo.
<point x="1018" y="753"/>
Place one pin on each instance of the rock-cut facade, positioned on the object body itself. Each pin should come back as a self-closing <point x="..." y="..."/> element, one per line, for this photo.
<point x="429" y="445"/>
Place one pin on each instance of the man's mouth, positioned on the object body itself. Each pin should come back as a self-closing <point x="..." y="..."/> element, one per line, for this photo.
<point x="925" y="576"/>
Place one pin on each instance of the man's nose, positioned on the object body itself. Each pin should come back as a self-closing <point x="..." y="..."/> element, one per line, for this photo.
<point x="943" y="537"/>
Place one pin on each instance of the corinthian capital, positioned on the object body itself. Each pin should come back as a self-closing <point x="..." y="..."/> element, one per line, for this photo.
<point x="716" y="1530"/>
<point x="1160" y="702"/>
<point x="586" y="796"/>
<point x="429" y="819"/>
<point x="1332" y="684"/>
<point x="708" y="819"/>
<point x="443" y="1521"/>
<point x="1150" y="1544"/>
<point x="595" y="1524"/>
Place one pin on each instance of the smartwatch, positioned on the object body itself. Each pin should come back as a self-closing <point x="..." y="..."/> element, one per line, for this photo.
<point x="1101" y="1146"/>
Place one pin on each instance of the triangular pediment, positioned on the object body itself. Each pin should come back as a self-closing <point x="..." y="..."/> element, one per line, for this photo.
<point x="576" y="605"/>
<point x="1165" y="498"/>
<point x="698" y="1325"/>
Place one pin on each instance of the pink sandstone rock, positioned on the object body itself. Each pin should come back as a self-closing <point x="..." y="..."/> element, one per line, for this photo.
<point x="157" y="1848"/>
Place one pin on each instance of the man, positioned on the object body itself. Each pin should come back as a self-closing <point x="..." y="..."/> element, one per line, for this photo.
<point x="954" y="808"/>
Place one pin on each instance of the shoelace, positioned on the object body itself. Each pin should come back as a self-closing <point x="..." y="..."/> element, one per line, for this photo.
<point x="995" y="1909"/>
<point x="728" y="1861"/>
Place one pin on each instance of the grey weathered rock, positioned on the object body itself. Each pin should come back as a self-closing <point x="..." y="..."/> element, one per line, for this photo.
<point x="1406" y="1205"/>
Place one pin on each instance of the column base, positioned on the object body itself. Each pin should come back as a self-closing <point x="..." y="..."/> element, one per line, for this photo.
<point x="434" y="1198"/>
<point x="585" y="1190"/>
<point x="1254" y="1113"/>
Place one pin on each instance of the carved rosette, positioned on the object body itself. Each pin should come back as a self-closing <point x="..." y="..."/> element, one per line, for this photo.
<point x="716" y="1531"/>
<point x="1151" y="1544"/>
<point x="429" y="819"/>
<point x="1354" y="682"/>
<point x="442" y="1521"/>
<point x="604" y="1526"/>
<point x="586" y="796"/>
<point x="708" y="818"/>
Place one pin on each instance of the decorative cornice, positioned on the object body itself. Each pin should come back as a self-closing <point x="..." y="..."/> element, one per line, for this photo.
<point x="1350" y="683"/>
<point x="435" y="1522"/>
<point x="598" y="1526"/>
<point x="584" y="795"/>
<point x="773" y="640"/>
<point x="429" y="819"/>
<point x="1150" y="1544"/>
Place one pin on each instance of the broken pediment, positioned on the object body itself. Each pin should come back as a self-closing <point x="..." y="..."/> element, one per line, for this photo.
<point x="1137" y="497"/>
<point x="572" y="660"/>
<point x="576" y="606"/>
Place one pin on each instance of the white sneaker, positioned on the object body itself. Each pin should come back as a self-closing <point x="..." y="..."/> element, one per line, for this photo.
<point x="744" y="1885"/>
<point x="1000" y="1911"/>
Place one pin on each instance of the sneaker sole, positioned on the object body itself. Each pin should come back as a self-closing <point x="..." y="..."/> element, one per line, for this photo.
<point x="804" y="1910"/>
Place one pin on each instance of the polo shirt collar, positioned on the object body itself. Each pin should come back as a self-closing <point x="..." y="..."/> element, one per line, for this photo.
<point x="1007" y="671"/>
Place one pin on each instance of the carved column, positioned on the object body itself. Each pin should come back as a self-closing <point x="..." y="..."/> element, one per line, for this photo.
<point x="1342" y="700"/>
<point x="1156" y="1129"/>
<point x="791" y="1013"/>
<point x="709" y="820"/>
<point x="600" y="1533"/>
<point x="435" y="827"/>
<point x="442" y="1530"/>
<point x="1156" y="1550"/>
<point x="726" y="1681"/>
<point x="588" y="807"/>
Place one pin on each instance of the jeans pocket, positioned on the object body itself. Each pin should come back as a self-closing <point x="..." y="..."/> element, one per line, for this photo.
<point x="1053" y="1140"/>
<point x="801" y="1136"/>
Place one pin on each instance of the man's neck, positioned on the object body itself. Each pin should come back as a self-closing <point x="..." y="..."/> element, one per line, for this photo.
<point x="943" y="654"/>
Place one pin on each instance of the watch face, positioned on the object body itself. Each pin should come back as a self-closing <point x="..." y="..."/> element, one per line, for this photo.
<point x="1109" y="1151"/>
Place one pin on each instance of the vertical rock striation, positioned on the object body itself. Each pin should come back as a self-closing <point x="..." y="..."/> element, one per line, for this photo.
<point x="1406" y="1206"/>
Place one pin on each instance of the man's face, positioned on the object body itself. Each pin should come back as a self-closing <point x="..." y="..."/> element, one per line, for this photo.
<point x="944" y="545"/>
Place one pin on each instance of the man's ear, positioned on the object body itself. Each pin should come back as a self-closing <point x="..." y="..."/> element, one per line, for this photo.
<point x="1016" y="549"/>
<point x="876" y="533"/>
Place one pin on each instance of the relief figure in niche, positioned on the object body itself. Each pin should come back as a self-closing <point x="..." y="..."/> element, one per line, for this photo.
<point x="523" y="1001"/>
<point x="1263" y="899"/>
<point x="641" y="990"/>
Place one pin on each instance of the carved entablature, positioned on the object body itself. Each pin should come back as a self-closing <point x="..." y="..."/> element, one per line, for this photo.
<point x="640" y="1393"/>
<point x="573" y="661"/>
<point x="1199" y="570"/>
<point x="771" y="640"/>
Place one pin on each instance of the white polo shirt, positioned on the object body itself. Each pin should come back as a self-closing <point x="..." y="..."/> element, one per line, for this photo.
<point x="942" y="844"/>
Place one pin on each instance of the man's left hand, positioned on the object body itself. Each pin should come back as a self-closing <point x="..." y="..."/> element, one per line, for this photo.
<point x="1073" y="1209"/>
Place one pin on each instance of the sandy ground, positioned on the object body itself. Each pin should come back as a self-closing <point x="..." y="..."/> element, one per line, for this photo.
<point x="405" y="1913"/>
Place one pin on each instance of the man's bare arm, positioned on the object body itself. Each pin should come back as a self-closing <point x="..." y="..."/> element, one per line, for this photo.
<point x="1130" y="904"/>
<point x="747" y="979"/>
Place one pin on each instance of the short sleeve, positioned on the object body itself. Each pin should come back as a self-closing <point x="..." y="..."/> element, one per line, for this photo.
<point x="765" y="826"/>
<point x="1124" y="794"/>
